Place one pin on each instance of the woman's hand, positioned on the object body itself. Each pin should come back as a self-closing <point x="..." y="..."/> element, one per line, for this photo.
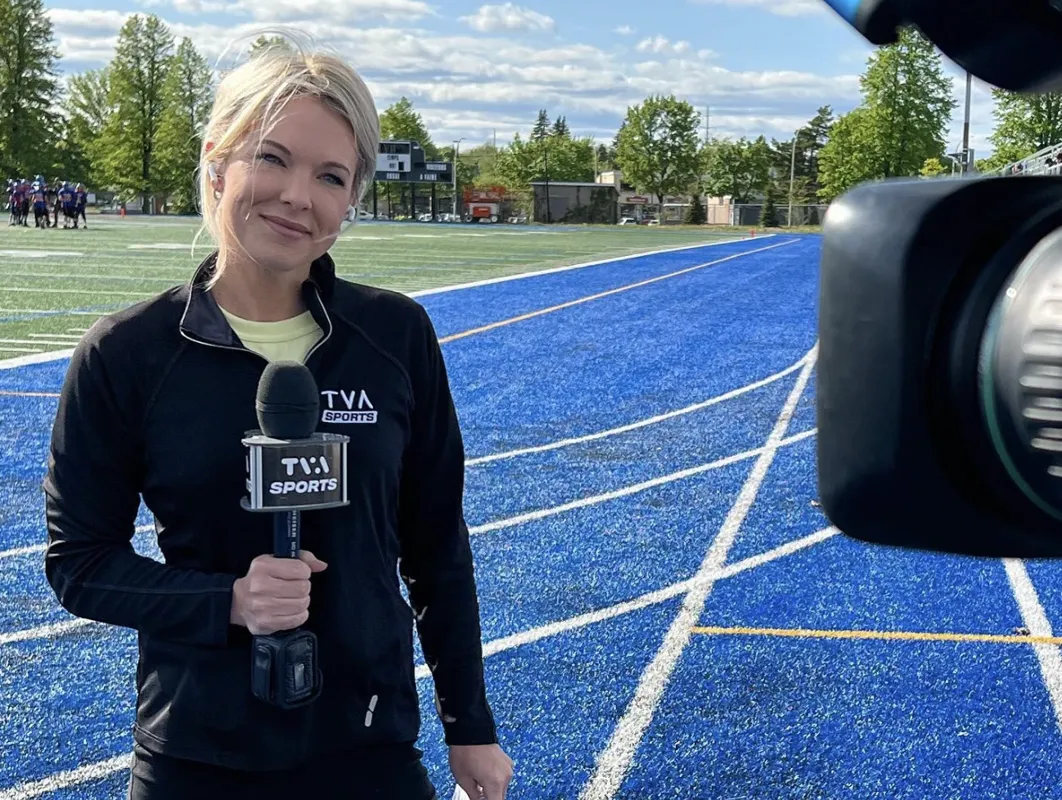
<point x="274" y="595"/>
<point x="482" y="770"/>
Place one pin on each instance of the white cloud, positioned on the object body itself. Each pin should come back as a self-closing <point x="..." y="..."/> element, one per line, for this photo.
<point x="624" y="30"/>
<point x="311" y="10"/>
<point x="784" y="8"/>
<point x="473" y="84"/>
<point x="659" y="44"/>
<point x="508" y="17"/>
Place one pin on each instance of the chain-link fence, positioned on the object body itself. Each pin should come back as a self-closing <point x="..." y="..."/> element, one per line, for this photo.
<point x="743" y="214"/>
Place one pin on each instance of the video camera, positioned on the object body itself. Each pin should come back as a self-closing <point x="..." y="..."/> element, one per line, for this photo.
<point x="939" y="387"/>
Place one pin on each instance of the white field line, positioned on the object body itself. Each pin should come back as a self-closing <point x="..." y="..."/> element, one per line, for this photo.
<point x="542" y="513"/>
<point x="101" y="769"/>
<point x="641" y="423"/>
<point x="1035" y="620"/>
<point x="614" y="762"/>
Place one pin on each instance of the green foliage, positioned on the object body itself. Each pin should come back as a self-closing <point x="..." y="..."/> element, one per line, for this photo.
<point x="555" y="158"/>
<point x="739" y="169"/>
<point x="1024" y="125"/>
<point x="29" y="89"/>
<point x="769" y="213"/>
<point x="401" y="121"/>
<point x="657" y="146"/>
<point x="696" y="213"/>
<point x="187" y="97"/>
<point x="264" y="42"/>
<point x="125" y="149"/>
<point x="932" y="168"/>
<point x="903" y="120"/>
<point x="851" y="156"/>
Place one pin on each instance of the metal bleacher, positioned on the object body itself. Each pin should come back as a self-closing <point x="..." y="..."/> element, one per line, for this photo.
<point x="1047" y="161"/>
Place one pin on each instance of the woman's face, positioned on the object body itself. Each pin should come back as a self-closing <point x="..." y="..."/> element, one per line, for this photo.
<point x="285" y="196"/>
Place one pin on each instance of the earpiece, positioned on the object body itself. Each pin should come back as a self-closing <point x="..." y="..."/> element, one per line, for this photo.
<point x="212" y="171"/>
<point x="352" y="214"/>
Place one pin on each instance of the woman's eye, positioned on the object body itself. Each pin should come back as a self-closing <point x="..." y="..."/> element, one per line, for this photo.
<point x="273" y="158"/>
<point x="338" y="181"/>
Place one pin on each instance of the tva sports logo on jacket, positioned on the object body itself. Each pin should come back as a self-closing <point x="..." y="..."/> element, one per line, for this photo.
<point x="347" y="407"/>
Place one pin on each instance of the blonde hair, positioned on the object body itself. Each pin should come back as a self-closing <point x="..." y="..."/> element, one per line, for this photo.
<point x="251" y="96"/>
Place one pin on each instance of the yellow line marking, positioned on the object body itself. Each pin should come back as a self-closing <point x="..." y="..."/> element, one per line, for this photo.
<point x="599" y="295"/>
<point x="532" y="314"/>
<point x="911" y="636"/>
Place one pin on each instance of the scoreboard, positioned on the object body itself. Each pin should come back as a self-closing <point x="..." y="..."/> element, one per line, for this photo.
<point x="404" y="161"/>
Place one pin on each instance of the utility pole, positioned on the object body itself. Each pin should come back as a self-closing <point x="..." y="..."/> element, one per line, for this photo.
<point x="457" y="146"/>
<point x="707" y="124"/>
<point x="966" y="126"/>
<point x="792" y="175"/>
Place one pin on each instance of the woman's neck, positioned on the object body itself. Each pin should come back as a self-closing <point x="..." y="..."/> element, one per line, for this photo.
<point x="252" y="292"/>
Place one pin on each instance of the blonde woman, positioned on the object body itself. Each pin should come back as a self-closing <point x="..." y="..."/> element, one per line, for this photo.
<point x="155" y="403"/>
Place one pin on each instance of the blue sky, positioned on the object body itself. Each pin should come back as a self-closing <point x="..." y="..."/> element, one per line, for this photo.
<point x="478" y="70"/>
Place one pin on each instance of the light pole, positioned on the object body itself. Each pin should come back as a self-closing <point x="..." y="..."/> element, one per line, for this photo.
<point x="457" y="144"/>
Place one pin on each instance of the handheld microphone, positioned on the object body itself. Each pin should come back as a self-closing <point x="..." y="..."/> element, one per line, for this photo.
<point x="290" y="469"/>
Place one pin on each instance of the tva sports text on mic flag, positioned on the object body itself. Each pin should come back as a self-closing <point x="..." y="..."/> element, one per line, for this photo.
<point x="309" y="474"/>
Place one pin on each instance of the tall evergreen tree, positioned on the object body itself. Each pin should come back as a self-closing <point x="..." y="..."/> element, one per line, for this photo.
<point x="542" y="127"/>
<point x="137" y="74"/>
<point x="29" y="89"/>
<point x="187" y="96"/>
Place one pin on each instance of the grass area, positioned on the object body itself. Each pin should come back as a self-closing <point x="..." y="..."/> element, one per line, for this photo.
<point x="55" y="283"/>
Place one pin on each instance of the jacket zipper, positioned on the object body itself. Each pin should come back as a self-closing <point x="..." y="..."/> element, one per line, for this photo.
<point x="313" y="349"/>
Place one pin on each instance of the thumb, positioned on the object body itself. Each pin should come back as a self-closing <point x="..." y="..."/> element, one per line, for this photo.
<point x="316" y="564"/>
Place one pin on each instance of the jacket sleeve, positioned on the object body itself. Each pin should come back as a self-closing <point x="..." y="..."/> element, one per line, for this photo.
<point x="92" y="495"/>
<point x="436" y="557"/>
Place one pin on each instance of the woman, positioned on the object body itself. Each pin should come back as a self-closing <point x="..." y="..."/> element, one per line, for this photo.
<point x="156" y="401"/>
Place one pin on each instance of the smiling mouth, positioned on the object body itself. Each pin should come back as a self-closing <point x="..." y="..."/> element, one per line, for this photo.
<point x="290" y="228"/>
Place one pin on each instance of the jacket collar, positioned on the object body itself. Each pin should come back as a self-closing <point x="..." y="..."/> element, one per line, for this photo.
<point x="203" y="321"/>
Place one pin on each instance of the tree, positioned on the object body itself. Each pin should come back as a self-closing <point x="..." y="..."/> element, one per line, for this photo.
<point x="554" y="158"/>
<point x="187" y="94"/>
<point x="1024" y="124"/>
<point x="852" y="154"/>
<point x="606" y="156"/>
<point x="695" y="213"/>
<point x="739" y="170"/>
<point x="29" y="89"/>
<point x="541" y="129"/>
<point x="87" y="107"/>
<point x="264" y="42"/>
<point x="902" y="121"/>
<point x="137" y="74"/>
<point x="657" y="147"/>
<point x="560" y="127"/>
<point x="910" y="102"/>
<point x="401" y="121"/>
<point x="769" y="214"/>
<point x="932" y="168"/>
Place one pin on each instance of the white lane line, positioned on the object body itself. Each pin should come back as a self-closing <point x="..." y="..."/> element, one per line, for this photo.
<point x="641" y="423"/>
<point x="73" y="777"/>
<point x="542" y="513"/>
<point x="37" y="358"/>
<point x="645" y="600"/>
<point x="553" y="270"/>
<point x="101" y="769"/>
<point x="614" y="762"/>
<point x="44" y="632"/>
<point x="1035" y="620"/>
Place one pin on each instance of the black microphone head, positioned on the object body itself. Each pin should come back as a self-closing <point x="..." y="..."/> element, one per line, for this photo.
<point x="287" y="401"/>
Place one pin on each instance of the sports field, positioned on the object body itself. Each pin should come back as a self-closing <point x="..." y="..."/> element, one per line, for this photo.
<point x="666" y="611"/>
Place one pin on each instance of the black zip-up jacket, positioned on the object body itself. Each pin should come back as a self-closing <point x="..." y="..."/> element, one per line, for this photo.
<point x="155" y="404"/>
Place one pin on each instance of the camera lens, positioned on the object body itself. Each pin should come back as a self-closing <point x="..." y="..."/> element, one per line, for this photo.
<point x="1020" y="375"/>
